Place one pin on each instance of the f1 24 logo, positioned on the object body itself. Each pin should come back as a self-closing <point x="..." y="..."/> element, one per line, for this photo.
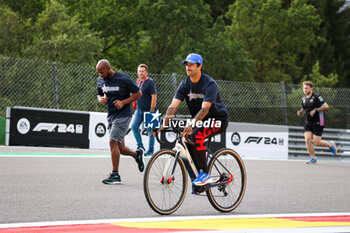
<point x="264" y="140"/>
<point x="59" y="128"/>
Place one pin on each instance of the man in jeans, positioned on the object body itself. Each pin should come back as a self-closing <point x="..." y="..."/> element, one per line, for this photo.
<point x="116" y="91"/>
<point x="147" y="103"/>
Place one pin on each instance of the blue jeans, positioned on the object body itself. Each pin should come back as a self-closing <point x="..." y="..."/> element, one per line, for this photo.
<point x="138" y="119"/>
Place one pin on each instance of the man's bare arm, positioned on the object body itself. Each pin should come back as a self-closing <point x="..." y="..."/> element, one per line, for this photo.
<point x="170" y="113"/>
<point x="134" y="96"/>
<point x="153" y="102"/>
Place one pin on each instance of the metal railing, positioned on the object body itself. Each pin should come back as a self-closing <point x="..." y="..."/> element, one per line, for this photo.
<point x="297" y="147"/>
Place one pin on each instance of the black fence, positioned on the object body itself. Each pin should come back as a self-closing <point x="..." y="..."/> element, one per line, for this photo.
<point x="35" y="83"/>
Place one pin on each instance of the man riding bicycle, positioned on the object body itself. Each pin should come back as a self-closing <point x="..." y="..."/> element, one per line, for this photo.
<point x="204" y="103"/>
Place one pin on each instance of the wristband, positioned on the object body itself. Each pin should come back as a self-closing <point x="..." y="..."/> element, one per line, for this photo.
<point x="316" y="110"/>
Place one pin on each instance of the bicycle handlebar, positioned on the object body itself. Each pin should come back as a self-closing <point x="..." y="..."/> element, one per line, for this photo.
<point x="174" y="130"/>
<point x="155" y="133"/>
<point x="187" y="137"/>
<point x="177" y="130"/>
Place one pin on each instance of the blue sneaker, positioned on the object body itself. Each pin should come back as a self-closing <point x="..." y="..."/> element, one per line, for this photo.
<point x="312" y="161"/>
<point x="202" y="179"/>
<point x="333" y="148"/>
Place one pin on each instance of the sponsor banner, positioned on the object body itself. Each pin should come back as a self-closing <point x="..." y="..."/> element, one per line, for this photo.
<point x="48" y="127"/>
<point x="168" y="139"/>
<point x="98" y="131"/>
<point x="99" y="134"/>
<point x="258" y="141"/>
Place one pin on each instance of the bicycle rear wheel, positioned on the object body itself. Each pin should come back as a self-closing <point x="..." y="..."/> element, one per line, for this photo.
<point x="164" y="193"/>
<point x="227" y="167"/>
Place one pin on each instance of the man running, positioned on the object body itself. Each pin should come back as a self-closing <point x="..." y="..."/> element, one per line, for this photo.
<point x="116" y="91"/>
<point x="314" y="106"/>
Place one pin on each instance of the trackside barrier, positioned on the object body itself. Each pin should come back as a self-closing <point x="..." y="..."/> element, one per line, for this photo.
<point x="258" y="141"/>
<point x="47" y="127"/>
<point x="64" y="128"/>
<point x="296" y="145"/>
<point x="26" y="126"/>
<point x="99" y="135"/>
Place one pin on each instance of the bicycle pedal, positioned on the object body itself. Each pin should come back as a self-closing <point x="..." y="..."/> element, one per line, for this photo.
<point x="200" y="189"/>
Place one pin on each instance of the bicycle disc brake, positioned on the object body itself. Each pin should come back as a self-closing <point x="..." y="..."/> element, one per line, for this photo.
<point x="224" y="177"/>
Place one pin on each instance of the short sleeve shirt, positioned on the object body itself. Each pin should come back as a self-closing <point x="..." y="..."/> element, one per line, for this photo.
<point x="309" y="104"/>
<point x="148" y="88"/>
<point x="205" y="90"/>
<point x="118" y="87"/>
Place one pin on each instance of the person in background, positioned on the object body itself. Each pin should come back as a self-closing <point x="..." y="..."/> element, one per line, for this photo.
<point x="147" y="103"/>
<point x="313" y="106"/>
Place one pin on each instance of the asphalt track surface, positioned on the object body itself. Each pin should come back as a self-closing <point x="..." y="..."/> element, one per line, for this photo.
<point x="50" y="184"/>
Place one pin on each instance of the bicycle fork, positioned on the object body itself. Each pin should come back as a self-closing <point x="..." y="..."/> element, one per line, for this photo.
<point x="168" y="181"/>
<point x="167" y="166"/>
<point x="182" y="152"/>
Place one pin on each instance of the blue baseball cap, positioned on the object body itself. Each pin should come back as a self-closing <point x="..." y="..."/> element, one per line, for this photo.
<point x="193" y="58"/>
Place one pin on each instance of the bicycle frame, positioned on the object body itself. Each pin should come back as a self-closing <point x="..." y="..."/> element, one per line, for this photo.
<point x="182" y="152"/>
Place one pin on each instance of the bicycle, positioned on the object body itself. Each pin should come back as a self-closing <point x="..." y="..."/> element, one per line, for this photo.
<point x="165" y="178"/>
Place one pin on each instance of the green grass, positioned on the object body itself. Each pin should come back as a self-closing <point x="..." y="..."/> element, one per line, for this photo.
<point x="2" y="130"/>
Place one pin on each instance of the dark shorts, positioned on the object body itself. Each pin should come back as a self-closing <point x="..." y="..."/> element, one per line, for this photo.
<point x="315" y="128"/>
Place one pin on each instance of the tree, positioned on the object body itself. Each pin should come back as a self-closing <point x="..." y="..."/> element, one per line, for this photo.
<point x="219" y="8"/>
<point x="59" y="37"/>
<point x="225" y="57"/>
<point x="275" y="35"/>
<point x="167" y="27"/>
<point x="119" y="28"/>
<point x="27" y="9"/>
<point x="333" y="53"/>
<point x="14" y="32"/>
<point x="320" y="80"/>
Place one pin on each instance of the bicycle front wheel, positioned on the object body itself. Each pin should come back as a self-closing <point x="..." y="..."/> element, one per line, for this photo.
<point x="165" y="192"/>
<point x="227" y="168"/>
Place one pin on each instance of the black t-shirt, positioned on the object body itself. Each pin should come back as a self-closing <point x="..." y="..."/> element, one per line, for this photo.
<point x="118" y="87"/>
<point x="205" y="90"/>
<point x="148" y="88"/>
<point x="309" y="104"/>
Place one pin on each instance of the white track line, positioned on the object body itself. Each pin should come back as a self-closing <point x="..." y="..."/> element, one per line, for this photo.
<point x="162" y="219"/>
